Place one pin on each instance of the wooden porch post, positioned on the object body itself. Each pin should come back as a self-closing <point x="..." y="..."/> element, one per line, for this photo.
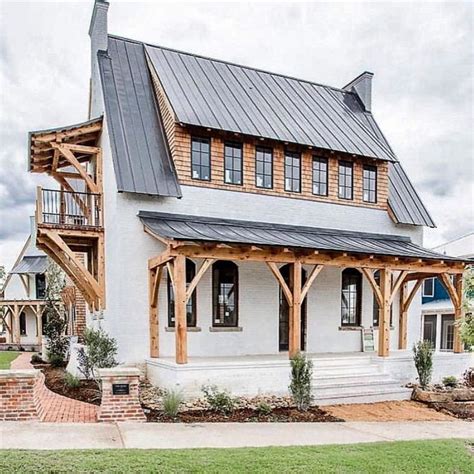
<point x="154" y="276"/>
<point x="384" y="315"/>
<point x="458" y="313"/>
<point x="16" y="324"/>
<point x="39" y="324"/>
<point x="295" y="311"/>
<point x="181" y="334"/>
<point x="403" y="319"/>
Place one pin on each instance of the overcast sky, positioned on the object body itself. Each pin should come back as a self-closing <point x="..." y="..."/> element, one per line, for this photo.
<point x="421" y="54"/>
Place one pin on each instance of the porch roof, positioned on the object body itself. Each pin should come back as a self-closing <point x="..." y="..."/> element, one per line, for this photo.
<point x="207" y="229"/>
<point x="33" y="264"/>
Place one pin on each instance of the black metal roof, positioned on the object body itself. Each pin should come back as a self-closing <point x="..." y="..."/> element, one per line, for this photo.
<point x="37" y="264"/>
<point x="206" y="229"/>
<point x="142" y="160"/>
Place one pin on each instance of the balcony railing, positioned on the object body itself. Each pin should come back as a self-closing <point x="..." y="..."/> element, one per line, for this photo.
<point x="68" y="209"/>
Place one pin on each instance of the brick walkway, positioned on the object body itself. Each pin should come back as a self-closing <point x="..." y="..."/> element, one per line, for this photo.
<point x="56" y="408"/>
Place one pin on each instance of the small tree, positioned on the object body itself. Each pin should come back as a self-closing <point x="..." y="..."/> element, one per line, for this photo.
<point x="300" y="386"/>
<point x="99" y="353"/>
<point x="466" y="325"/>
<point x="423" y="357"/>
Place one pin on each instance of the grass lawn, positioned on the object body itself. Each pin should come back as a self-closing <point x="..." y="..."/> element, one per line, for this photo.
<point x="439" y="456"/>
<point x="6" y="357"/>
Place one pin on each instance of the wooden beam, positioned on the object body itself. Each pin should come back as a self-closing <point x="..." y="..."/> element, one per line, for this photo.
<point x="154" y="282"/>
<point x="286" y="290"/>
<point x="75" y="132"/>
<point x="451" y="289"/>
<point x="411" y="294"/>
<point x="88" y="150"/>
<point x="170" y="268"/>
<point x="384" y="314"/>
<point x="417" y="275"/>
<point x="369" y="274"/>
<point x="159" y="260"/>
<point x="403" y="319"/>
<point x="312" y="276"/>
<point x="180" y="310"/>
<point x="397" y="285"/>
<point x="295" y="311"/>
<point x="197" y="278"/>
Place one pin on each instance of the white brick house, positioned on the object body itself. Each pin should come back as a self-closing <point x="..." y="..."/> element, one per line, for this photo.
<point x="240" y="183"/>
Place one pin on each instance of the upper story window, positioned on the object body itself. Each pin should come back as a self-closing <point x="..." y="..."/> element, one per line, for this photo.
<point x="40" y="283"/>
<point x="320" y="176"/>
<point x="369" y="186"/>
<point x="225" y="294"/>
<point x="233" y="163"/>
<point x="190" y="305"/>
<point x="201" y="159"/>
<point x="346" y="180"/>
<point x="292" y="172"/>
<point x="428" y="287"/>
<point x="351" y="297"/>
<point x="263" y="168"/>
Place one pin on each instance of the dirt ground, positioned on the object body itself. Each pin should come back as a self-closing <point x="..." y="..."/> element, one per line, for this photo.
<point x="387" y="411"/>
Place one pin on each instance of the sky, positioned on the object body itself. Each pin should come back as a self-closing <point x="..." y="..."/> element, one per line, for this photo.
<point x="421" y="54"/>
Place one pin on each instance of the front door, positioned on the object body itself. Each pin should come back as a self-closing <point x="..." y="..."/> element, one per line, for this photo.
<point x="284" y="327"/>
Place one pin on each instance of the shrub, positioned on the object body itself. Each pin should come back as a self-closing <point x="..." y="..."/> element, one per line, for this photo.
<point x="423" y="357"/>
<point x="450" y="381"/>
<point x="36" y="359"/>
<point x="172" y="400"/>
<point x="300" y="386"/>
<point x="219" y="400"/>
<point x="468" y="377"/>
<point x="57" y="343"/>
<point x="56" y="360"/>
<point x="263" y="408"/>
<point x="99" y="353"/>
<point x="71" y="380"/>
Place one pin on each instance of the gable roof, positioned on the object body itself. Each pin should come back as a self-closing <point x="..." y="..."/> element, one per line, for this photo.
<point x="217" y="94"/>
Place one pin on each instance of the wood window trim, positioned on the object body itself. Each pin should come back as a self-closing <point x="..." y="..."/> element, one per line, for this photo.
<point x="374" y="169"/>
<point x="215" y="294"/>
<point x="240" y="146"/>
<point x="195" y="138"/>
<point x="358" y="318"/>
<point x="320" y="159"/>
<point x="350" y="165"/>
<point x="293" y="155"/>
<point x="264" y="150"/>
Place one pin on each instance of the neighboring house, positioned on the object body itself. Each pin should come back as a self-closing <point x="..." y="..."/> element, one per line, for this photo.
<point x="232" y="217"/>
<point x="23" y="299"/>
<point x="437" y="308"/>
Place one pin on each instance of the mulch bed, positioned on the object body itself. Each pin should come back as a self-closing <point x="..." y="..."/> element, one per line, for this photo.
<point x="54" y="380"/>
<point x="243" y="415"/>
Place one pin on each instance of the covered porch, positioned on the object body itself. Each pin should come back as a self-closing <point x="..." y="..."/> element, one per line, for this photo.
<point x="392" y="266"/>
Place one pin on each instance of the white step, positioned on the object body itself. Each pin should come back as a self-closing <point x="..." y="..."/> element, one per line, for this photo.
<point x="344" y="371"/>
<point x="354" y="382"/>
<point x="364" y="397"/>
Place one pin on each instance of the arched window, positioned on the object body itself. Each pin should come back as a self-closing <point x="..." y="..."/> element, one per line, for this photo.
<point x="225" y="294"/>
<point x="22" y="324"/>
<point x="190" y="305"/>
<point x="376" y="307"/>
<point x="351" y="297"/>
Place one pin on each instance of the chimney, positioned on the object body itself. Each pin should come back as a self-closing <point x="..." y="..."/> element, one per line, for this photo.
<point x="98" y="35"/>
<point x="362" y="86"/>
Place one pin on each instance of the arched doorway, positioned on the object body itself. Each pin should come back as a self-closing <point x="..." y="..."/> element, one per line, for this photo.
<point x="284" y="330"/>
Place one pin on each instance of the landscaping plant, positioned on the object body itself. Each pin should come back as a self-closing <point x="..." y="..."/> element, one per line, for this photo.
<point x="99" y="353"/>
<point x="219" y="400"/>
<point x="172" y="400"/>
<point x="264" y="408"/>
<point x="71" y="380"/>
<point x="450" y="381"/>
<point x="423" y="357"/>
<point x="300" y="386"/>
<point x="466" y="325"/>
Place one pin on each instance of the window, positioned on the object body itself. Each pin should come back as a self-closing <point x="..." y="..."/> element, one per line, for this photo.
<point x="263" y="168"/>
<point x="44" y="322"/>
<point x="429" y="328"/>
<point x="225" y="294"/>
<point x="351" y="297"/>
<point x="190" y="305"/>
<point x="345" y="180"/>
<point x="428" y="287"/>
<point x="370" y="184"/>
<point x="233" y="163"/>
<point x="40" y="283"/>
<point x="376" y="307"/>
<point x="200" y="159"/>
<point x="292" y="172"/>
<point x="320" y="176"/>
<point x="447" y="332"/>
<point x="22" y="324"/>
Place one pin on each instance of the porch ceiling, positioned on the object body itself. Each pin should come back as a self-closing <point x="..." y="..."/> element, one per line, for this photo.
<point x="174" y="227"/>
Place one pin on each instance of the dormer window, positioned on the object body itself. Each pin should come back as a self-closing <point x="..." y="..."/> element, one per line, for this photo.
<point x="346" y="180"/>
<point x="370" y="184"/>
<point x="320" y="176"/>
<point x="233" y="163"/>
<point x="263" y="168"/>
<point x="292" y="172"/>
<point x="201" y="159"/>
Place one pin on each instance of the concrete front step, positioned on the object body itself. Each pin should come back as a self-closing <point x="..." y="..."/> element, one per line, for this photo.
<point x="344" y="372"/>
<point x="355" y="384"/>
<point x="368" y="396"/>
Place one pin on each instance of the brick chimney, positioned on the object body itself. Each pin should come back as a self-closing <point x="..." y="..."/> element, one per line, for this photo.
<point x="362" y="86"/>
<point x="98" y="35"/>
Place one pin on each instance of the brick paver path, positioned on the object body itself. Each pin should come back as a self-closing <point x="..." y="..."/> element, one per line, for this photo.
<point x="54" y="407"/>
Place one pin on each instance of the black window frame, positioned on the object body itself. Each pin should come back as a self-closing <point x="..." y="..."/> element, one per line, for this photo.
<point x="293" y="155"/>
<point x="367" y="181"/>
<point x="351" y="273"/>
<point x="22" y="323"/>
<point x="265" y="151"/>
<point x="191" y="305"/>
<point x="376" y="307"/>
<point x="345" y="165"/>
<point x="320" y="160"/>
<point x="237" y="146"/>
<point x="199" y="165"/>
<point x="217" y="270"/>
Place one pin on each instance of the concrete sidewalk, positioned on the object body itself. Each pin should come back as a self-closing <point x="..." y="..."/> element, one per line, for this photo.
<point x="34" y="435"/>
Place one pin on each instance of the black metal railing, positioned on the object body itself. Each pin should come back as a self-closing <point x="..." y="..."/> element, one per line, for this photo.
<point x="66" y="208"/>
